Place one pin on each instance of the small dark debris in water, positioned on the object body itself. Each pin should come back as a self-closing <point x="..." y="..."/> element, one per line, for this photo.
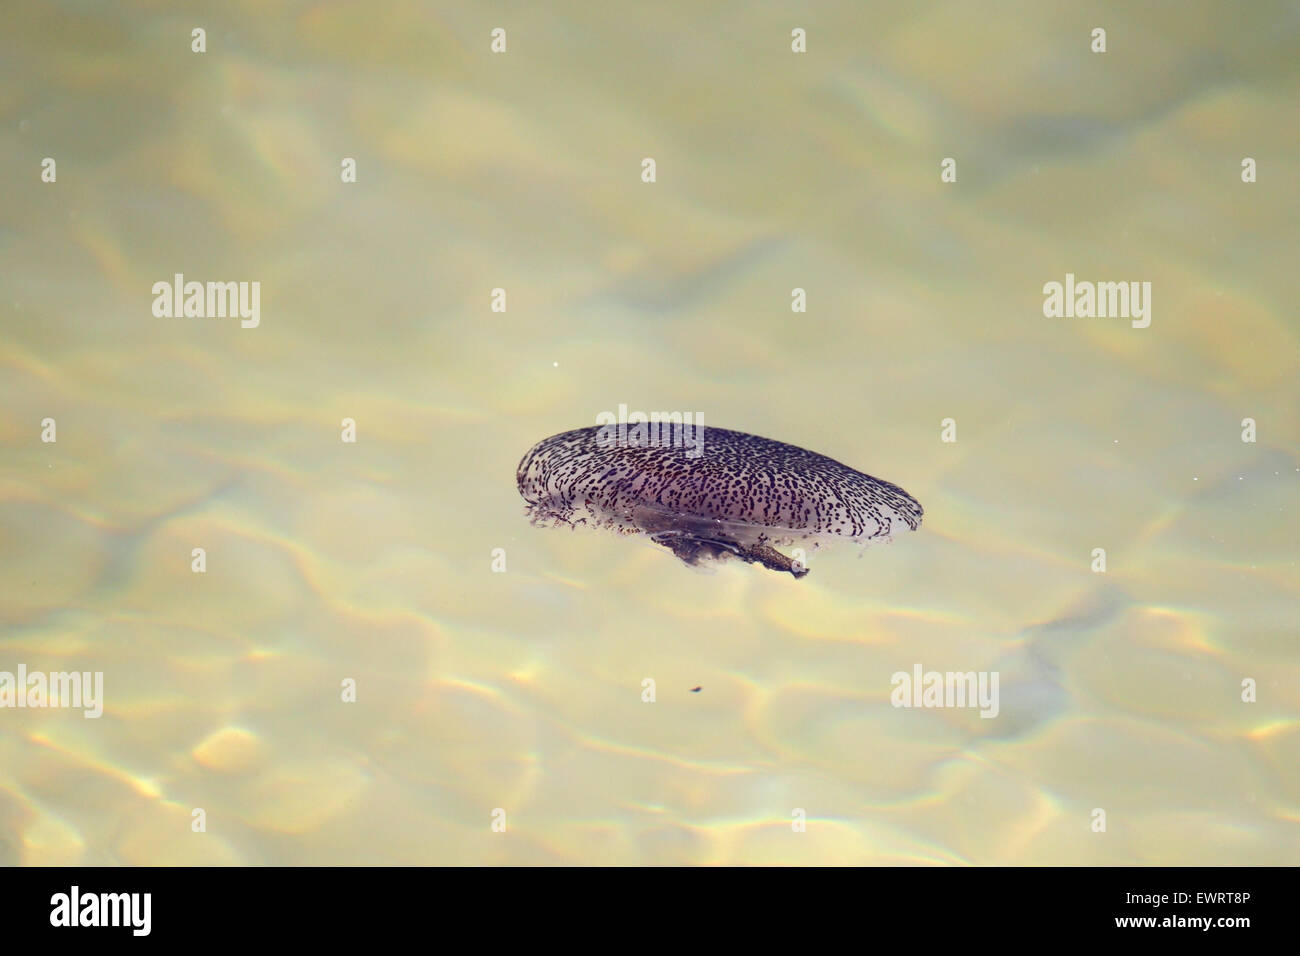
<point x="708" y="494"/>
<point x="696" y="690"/>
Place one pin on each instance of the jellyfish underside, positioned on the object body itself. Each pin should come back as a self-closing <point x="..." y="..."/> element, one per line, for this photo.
<point x="698" y="541"/>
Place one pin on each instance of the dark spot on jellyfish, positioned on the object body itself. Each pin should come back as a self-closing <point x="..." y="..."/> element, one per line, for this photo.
<point x="709" y="494"/>
<point x="696" y="690"/>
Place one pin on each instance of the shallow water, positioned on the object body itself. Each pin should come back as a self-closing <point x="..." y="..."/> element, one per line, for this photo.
<point x="373" y="561"/>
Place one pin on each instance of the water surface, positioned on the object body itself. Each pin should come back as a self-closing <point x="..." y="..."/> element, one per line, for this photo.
<point x="522" y="690"/>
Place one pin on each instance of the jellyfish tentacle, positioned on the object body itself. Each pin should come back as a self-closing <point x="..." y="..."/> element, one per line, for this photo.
<point x="773" y="560"/>
<point x="692" y="548"/>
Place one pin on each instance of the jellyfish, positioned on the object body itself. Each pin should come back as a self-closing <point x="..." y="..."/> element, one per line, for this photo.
<point x="709" y="496"/>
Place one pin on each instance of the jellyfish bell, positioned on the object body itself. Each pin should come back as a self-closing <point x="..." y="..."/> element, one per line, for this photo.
<point x="743" y="497"/>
